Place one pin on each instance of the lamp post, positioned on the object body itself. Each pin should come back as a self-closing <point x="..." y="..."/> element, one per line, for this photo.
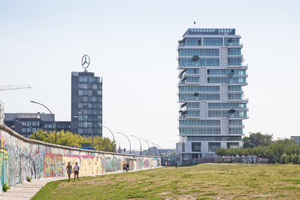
<point x="109" y="131"/>
<point x="51" y="114"/>
<point x="147" y="144"/>
<point x="90" y="129"/>
<point x="141" y="149"/>
<point x="127" y="139"/>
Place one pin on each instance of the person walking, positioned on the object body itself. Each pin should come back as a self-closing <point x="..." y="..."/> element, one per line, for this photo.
<point x="69" y="170"/>
<point x="76" y="171"/>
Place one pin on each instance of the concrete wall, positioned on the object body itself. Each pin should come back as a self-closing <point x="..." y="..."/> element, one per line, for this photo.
<point x="21" y="157"/>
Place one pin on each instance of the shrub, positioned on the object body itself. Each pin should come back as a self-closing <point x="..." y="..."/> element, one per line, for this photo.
<point x="28" y="179"/>
<point x="5" y="187"/>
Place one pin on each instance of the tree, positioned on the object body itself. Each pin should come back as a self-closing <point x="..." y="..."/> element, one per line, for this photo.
<point x="257" y="139"/>
<point x="68" y="138"/>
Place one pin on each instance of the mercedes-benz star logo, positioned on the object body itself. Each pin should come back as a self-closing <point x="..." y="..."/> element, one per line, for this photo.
<point x="85" y="61"/>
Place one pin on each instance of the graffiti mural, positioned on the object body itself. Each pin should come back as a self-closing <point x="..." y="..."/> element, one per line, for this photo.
<point x="21" y="157"/>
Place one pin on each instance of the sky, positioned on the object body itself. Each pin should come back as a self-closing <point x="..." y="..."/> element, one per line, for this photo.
<point x="133" y="46"/>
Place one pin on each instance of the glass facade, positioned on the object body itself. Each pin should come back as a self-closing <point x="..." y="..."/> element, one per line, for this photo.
<point x="191" y="131"/>
<point x="211" y="96"/>
<point x="200" y="62"/>
<point x="199" y="88"/>
<point x="199" y="52"/>
<point x="86" y="104"/>
<point x="199" y="122"/>
<point x="212" y="146"/>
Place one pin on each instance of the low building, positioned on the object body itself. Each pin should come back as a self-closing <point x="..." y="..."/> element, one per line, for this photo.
<point x="296" y="138"/>
<point x="27" y="123"/>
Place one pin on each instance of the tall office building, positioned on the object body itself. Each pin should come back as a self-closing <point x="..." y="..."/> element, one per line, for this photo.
<point x="212" y="104"/>
<point x="86" y="102"/>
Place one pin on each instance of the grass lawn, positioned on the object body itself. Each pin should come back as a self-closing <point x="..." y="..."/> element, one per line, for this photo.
<point x="204" y="181"/>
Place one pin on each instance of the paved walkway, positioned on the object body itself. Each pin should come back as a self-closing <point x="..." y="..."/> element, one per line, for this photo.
<point x="26" y="190"/>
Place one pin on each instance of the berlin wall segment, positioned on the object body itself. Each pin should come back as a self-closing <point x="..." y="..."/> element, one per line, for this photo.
<point x="21" y="157"/>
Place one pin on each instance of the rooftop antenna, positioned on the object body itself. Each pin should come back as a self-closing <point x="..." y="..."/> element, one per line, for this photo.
<point x="194" y="23"/>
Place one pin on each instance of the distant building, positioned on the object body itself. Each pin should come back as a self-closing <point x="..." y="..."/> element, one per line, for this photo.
<point x="86" y="104"/>
<point x="212" y="106"/>
<point x="1" y="112"/>
<point x="296" y="138"/>
<point x="27" y="123"/>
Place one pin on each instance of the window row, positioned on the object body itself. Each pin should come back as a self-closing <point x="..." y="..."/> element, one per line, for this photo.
<point x="226" y="72"/>
<point x="235" y="88"/>
<point x="227" y="105"/>
<point x="231" y="41"/>
<point x="199" y="88"/>
<point x="31" y="123"/>
<point x="236" y="131"/>
<point x="187" y="131"/>
<point x="235" y="61"/>
<point x="199" y="122"/>
<point x="234" y="51"/>
<point x="214" y="138"/>
<point x="236" y="122"/>
<point x="235" y="96"/>
<point x="29" y="130"/>
<point x="89" y="86"/>
<point x="89" y="99"/>
<point x="199" y="62"/>
<point x="193" y="71"/>
<point x="89" y="92"/>
<point x="198" y="52"/>
<point x="196" y="96"/>
<point x="89" y="105"/>
<point x="193" y="105"/>
<point x="89" y="79"/>
<point x="226" y="80"/>
<point x="236" y="114"/>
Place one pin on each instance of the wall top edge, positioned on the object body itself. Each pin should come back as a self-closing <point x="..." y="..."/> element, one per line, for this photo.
<point x="17" y="135"/>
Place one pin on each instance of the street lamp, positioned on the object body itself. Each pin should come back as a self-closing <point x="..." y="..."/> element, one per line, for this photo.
<point x="127" y="139"/>
<point x="90" y="129"/>
<point x="109" y="131"/>
<point x="51" y="114"/>
<point x="141" y="149"/>
<point x="147" y="144"/>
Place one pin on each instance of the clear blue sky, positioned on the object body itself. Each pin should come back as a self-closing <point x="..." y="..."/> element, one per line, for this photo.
<point x="132" y="45"/>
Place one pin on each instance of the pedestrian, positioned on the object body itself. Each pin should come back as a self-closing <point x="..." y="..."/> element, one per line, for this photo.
<point x="124" y="167"/>
<point x="69" y="170"/>
<point x="127" y="167"/>
<point x="76" y="171"/>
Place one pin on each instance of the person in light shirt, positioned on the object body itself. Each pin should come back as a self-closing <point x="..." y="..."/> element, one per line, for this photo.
<point x="76" y="171"/>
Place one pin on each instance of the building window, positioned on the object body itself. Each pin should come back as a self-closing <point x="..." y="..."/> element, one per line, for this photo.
<point x="212" y="41"/>
<point x="196" y="146"/>
<point x="232" y="145"/>
<point x="183" y="147"/>
<point x="212" y="146"/>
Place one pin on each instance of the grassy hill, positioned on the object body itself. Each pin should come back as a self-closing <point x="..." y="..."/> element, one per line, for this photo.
<point x="204" y="181"/>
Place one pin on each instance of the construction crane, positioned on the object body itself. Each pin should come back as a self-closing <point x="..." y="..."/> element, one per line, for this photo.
<point x="13" y="87"/>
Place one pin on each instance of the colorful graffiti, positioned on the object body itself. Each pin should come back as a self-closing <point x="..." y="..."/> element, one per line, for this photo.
<point x="19" y="158"/>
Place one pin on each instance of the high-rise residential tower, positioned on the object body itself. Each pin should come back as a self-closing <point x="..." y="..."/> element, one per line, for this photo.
<point x="212" y="104"/>
<point x="86" y="111"/>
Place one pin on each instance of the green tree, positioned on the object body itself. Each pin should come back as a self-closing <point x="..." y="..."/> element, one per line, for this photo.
<point x="257" y="139"/>
<point x="68" y="138"/>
